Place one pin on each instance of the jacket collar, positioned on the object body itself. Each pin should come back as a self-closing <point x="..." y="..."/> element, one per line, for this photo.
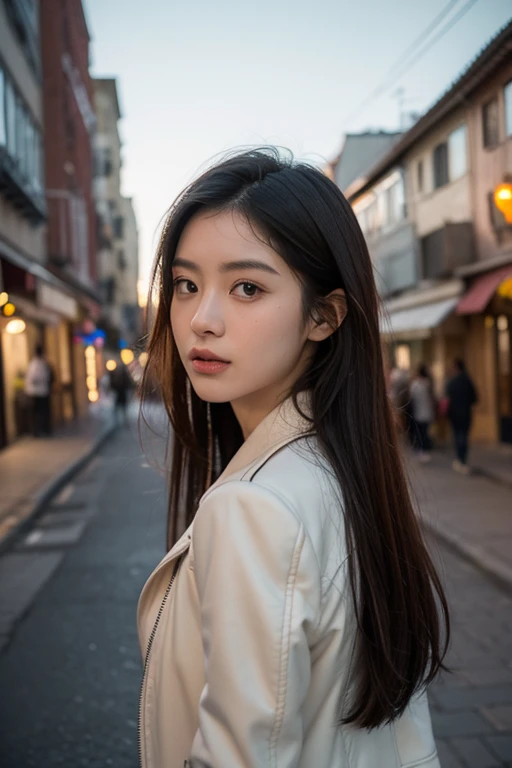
<point x="281" y="426"/>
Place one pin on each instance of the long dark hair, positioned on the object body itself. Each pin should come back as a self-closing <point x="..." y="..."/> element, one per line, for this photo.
<point x="398" y="597"/>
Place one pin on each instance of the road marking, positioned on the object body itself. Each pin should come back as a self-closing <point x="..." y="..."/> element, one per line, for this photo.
<point x="64" y="495"/>
<point x="34" y="537"/>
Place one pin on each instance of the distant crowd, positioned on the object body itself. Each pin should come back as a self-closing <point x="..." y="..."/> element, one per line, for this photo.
<point x="417" y="408"/>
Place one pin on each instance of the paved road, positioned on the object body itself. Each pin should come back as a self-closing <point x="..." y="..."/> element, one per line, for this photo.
<point x="70" y="674"/>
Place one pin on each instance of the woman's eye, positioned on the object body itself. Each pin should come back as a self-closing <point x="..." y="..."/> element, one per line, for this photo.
<point x="183" y="281"/>
<point x="250" y="289"/>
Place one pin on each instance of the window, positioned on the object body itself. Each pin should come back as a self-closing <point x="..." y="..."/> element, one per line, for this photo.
<point x="10" y="108"/>
<point x="395" y="203"/>
<point x="507" y="96"/>
<point x="490" y="123"/>
<point x="440" y="165"/>
<point x="457" y="165"/>
<point x="3" y="131"/>
<point x="419" y="177"/>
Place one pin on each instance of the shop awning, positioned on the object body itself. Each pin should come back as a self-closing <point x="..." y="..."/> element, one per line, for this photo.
<point x="482" y="291"/>
<point x="419" y="320"/>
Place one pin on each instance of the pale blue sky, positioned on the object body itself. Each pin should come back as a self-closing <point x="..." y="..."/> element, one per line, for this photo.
<point x="198" y="77"/>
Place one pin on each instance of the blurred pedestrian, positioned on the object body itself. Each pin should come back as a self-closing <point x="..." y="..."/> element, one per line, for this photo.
<point x="120" y="383"/>
<point x="423" y="410"/>
<point x="38" y="385"/>
<point x="462" y="396"/>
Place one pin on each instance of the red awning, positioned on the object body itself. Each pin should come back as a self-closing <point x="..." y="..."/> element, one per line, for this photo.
<point x="482" y="291"/>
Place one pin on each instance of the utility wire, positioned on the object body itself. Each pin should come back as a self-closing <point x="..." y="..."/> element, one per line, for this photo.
<point x="404" y="62"/>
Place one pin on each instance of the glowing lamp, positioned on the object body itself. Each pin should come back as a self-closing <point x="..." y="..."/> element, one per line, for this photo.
<point x="111" y="365"/>
<point x="4" y="298"/>
<point x="9" y="309"/>
<point x="127" y="356"/>
<point x="505" y="289"/>
<point x="16" y="325"/>
<point x="503" y="200"/>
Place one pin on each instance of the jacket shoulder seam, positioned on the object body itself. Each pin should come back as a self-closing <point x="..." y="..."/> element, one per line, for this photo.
<point x="285" y="646"/>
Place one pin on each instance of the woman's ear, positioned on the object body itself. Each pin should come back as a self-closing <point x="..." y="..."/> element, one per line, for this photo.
<point x="335" y="304"/>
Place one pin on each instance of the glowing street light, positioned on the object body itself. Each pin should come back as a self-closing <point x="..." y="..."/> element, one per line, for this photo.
<point x="15" y="326"/>
<point x="503" y="200"/>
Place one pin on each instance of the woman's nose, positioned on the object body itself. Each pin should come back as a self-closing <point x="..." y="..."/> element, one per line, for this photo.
<point x="208" y="317"/>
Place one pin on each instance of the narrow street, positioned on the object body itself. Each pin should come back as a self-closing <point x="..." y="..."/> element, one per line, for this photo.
<point x="70" y="672"/>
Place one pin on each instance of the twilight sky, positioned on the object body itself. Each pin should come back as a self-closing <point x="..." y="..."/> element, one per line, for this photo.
<point x="198" y="78"/>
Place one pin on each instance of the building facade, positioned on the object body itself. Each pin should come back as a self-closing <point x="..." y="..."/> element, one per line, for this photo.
<point x="442" y="251"/>
<point x="70" y="126"/>
<point x="24" y="276"/>
<point x="117" y="227"/>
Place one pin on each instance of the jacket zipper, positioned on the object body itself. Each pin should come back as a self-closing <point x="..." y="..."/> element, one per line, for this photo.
<point x="150" y="644"/>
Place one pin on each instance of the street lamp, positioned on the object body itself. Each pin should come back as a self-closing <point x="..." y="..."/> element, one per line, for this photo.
<point x="503" y="200"/>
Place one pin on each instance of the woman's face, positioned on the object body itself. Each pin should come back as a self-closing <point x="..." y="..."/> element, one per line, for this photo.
<point x="237" y="298"/>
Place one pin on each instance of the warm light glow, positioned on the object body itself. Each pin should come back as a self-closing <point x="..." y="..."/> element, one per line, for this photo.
<point x="505" y="289"/>
<point x="127" y="356"/>
<point x="91" y="382"/>
<point x="503" y="200"/>
<point x="15" y="326"/>
<point x="90" y="351"/>
<point x="4" y="298"/>
<point x="489" y="321"/>
<point x="93" y="395"/>
<point x="143" y="358"/>
<point x="9" y="309"/>
<point x="111" y="365"/>
<point x="502" y="323"/>
<point x="142" y="293"/>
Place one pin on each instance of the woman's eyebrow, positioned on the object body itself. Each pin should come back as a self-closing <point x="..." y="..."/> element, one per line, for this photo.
<point x="227" y="266"/>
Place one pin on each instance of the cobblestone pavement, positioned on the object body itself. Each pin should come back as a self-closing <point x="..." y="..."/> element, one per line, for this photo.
<point x="472" y="707"/>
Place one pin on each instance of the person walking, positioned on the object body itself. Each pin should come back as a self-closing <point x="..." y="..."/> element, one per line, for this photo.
<point x="298" y="618"/>
<point x="121" y="382"/>
<point x="462" y="396"/>
<point x="423" y="411"/>
<point x="38" y="384"/>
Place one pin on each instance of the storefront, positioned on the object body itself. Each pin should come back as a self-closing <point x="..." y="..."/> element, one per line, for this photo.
<point x="420" y="327"/>
<point x="487" y="306"/>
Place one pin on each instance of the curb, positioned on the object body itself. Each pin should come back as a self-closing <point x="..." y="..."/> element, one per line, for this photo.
<point x="496" y="477"/>
<point x="52" y="488"/>
<point x="499" y="572"/>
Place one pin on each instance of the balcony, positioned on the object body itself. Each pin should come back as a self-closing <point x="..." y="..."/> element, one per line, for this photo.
<point x="394" y="257"/>
<point x="447" y="248"/>
<point x="15" y="188"/>
<point x="68" y="232"/>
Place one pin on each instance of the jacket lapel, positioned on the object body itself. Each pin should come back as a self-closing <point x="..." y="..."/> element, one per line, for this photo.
<point x="281" y="426"/>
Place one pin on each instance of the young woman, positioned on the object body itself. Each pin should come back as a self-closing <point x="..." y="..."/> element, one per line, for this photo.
<point x="295" y="621"/>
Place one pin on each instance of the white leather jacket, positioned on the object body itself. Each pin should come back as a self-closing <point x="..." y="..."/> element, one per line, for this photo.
<point x="247" y="626"/>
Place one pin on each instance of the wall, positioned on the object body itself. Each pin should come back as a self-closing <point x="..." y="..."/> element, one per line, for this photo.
<point x="431" y="208"/>
<point x="15" y="229"/>
<point x="489" y="166"/>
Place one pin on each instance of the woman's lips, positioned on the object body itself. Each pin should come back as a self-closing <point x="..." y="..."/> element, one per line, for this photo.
<point x="208" y="366"/>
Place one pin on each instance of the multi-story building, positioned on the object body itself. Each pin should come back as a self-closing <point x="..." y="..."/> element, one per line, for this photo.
<point x="442" y="252"/>
<point x="117" y="228"/>
<point x="36" y="305"/>
<point x="68" y="149"/>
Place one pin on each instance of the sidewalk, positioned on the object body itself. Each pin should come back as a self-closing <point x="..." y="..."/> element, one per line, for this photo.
<point x="33" y="470"/>
<point x="472" y="514"/>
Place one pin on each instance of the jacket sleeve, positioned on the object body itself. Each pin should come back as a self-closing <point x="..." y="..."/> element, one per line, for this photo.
<point x="258" y="583"/>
